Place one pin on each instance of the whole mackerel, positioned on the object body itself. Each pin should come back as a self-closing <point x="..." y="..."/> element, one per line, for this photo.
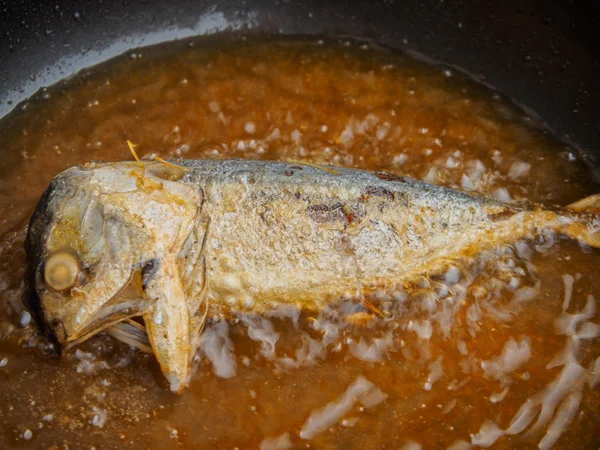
<point x="166" y="241"/>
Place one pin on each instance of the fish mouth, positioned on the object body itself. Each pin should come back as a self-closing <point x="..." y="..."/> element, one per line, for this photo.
<point x="125" y="305"/>
<point x="105" y="318"/>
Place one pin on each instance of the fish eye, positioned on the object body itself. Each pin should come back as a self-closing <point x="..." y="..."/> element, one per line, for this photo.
<point x="61" y="271"/>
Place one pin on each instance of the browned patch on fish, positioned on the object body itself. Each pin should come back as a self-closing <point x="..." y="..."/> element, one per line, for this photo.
<point x="350" y="215"/>
<point x="337" y="212"/>
<point x="354" y="215"/>
<point x="375" y="191"/>
<point x="323" y="213"/>
<point x="386" y="176"/>
<point x="502" y="215"/>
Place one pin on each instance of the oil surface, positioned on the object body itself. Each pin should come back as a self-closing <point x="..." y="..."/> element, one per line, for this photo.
<point x="499" y="351"/>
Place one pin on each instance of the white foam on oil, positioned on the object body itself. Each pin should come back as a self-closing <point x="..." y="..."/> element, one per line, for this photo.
<point x="487" y="435"/>
<point x="594" y="380"/>
<point x="435" y="373"/>
<point x="564" y="415"/>
<point x="459" y="445"/>
<point x="514" y="355"/>
<point x="281" y="442"/>
<point x="411" y="445"/>
<point x="360" y="390"/>
<point x="216" y="345"/>
<point x="568" y="281"/>
<point x="498" y="397"/>
<point x="376" y="351"/>
<point x="100" y="417"/>
<point x="556" y="404"/>
<point x="263" y="331"/>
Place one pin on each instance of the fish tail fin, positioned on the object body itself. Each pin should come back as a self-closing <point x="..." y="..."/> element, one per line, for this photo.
<point x="587" y="204"/>
<point x="585" y="222"/>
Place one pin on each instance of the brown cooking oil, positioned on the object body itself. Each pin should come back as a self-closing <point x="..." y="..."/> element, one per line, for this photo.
<point x="499" y="351"/>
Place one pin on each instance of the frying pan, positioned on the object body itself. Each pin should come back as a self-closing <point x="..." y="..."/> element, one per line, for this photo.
<point x="542" y="54"/>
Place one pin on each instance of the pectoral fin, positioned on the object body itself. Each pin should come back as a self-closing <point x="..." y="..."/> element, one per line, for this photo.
<point x="584" y="226"/>
<point x="131" y="333"/>
<point x="168" y="325"/>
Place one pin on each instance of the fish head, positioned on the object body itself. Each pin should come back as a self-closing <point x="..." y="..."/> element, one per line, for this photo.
<point x="95" y="240"/>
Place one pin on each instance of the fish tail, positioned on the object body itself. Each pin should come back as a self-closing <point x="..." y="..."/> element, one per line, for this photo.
<point x="584" y="220"/>
<point x="587" y="204"/>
